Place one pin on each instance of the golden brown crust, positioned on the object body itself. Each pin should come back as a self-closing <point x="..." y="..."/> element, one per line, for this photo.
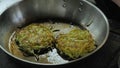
<point x="76" y="43"/>
<point x="34" y="37"/>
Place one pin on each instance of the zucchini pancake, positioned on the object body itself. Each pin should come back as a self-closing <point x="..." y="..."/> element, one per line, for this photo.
<point x="34" y="38"/>
<point x="76" y="43"/>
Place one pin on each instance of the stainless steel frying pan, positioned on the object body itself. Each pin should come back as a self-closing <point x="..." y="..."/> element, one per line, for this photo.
<point x="80" y="11"/>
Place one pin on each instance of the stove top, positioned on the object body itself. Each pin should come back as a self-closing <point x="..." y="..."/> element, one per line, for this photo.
<point x="106" y="57"/>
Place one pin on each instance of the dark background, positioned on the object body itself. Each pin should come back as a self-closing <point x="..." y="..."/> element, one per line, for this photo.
<point x="110" y="9"/>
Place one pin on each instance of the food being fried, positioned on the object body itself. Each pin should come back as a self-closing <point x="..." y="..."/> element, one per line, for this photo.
<point x="34" y="38"/>
<point x="76" y="43"/>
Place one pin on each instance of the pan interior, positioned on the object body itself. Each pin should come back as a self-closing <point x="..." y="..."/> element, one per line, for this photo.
<point x="51" y="57"/>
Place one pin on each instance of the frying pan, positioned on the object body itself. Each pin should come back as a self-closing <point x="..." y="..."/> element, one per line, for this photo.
<point x="78" y="11"/>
